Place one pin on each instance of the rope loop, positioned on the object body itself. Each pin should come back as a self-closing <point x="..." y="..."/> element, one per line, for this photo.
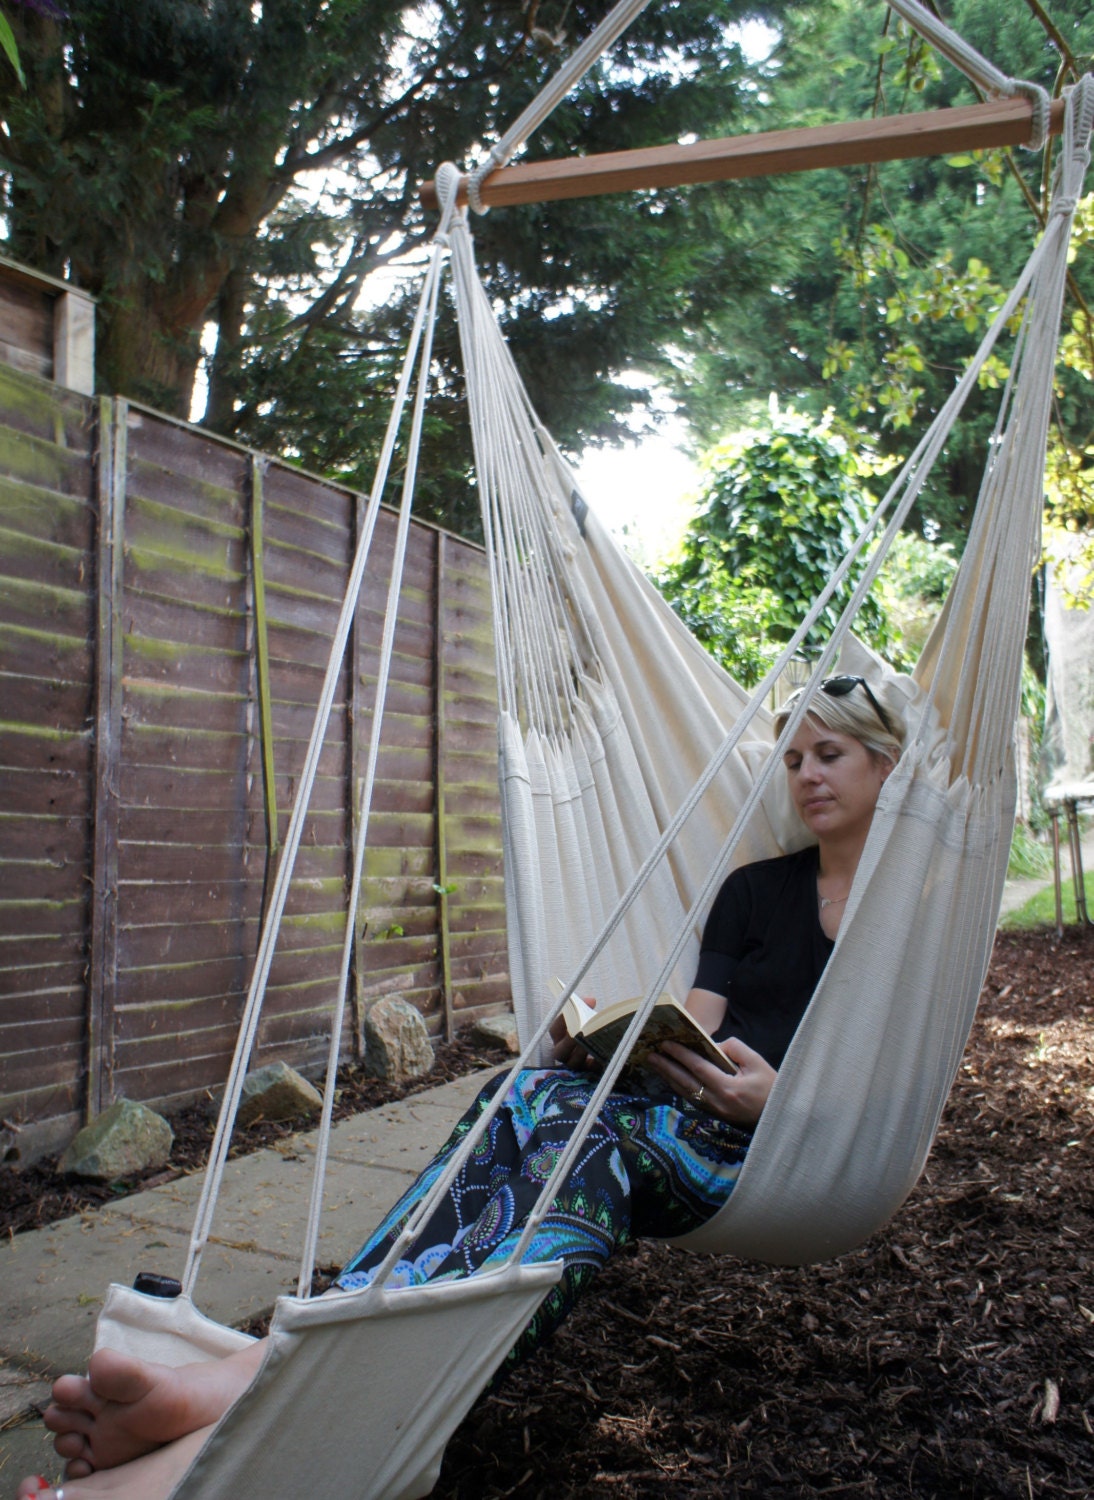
<point x="1041" y="118"/>
<point x="476" y="179"/>
<point x="448" y="187"/>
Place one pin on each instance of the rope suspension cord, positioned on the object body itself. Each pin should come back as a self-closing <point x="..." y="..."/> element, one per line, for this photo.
<point x="975" y="66"/>
<point x="540" y="642"/>
<point x="539" y="634"/>
<point x="554" y="91"/>
<point x="256" y="993"/>
<point x="395" y="583"/>
<point x="1012" y="448"/>
<point x="536" y="636"/>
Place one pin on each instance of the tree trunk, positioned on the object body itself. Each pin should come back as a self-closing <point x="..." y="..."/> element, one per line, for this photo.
<point x="224" y="367"/>
<point x="137" y="358"/>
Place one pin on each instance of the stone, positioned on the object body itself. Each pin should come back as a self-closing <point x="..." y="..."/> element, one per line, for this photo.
<point x="397" y="1045"/>
<point x="122" y="1142"/>
<point x="278" y="1092"/>
<point x="497" y="1031"/>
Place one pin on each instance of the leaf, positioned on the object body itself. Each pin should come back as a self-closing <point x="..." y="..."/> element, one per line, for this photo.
<point x="7" y="41"/>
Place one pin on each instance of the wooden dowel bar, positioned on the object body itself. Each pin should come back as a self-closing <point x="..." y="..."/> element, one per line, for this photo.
<point x="974" y="127"/>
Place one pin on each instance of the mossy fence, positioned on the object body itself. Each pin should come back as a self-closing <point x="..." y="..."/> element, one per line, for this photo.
<point x="166" y="605"/>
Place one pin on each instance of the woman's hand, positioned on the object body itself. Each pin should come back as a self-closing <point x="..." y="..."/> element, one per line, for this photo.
<point x="737" y="1097"/>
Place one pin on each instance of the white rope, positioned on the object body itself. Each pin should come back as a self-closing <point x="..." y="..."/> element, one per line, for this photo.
<point x="387" y="647"/>
<point x="975" y="66"/>
<point x="552" y="94"/>
<point x="252" y="1010"/>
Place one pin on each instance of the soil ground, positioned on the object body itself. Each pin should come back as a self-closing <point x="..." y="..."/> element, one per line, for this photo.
<point x="952" y="1356"/>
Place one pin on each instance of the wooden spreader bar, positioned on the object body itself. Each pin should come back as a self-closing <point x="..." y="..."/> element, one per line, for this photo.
<point x="974" y="127"/>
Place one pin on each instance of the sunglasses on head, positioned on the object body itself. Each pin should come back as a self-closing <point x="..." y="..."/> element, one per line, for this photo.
<point x="839" y="687"/>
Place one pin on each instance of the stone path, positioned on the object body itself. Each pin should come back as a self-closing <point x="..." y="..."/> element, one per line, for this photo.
<point x="52" y="1280"/>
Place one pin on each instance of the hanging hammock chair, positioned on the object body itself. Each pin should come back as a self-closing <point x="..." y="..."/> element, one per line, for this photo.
<point x="634" y="774"/>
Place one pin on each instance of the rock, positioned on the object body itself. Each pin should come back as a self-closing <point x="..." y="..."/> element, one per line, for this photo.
<point x="125" y="1140"/>
<point x="497" y="1031"/>
<point x="278" y="1092"/>
<point x="397" y="1045"/>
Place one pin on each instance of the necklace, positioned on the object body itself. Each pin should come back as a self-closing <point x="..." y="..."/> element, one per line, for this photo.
<point x="831" y="900"/>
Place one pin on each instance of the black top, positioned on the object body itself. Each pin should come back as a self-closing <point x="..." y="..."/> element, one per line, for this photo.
<point x="764" y="949"/>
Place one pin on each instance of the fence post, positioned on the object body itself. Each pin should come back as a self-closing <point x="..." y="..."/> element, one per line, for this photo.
<point x="439" y="773"/>
<point x="355" y="748"/>
<point x="112" y="437"/>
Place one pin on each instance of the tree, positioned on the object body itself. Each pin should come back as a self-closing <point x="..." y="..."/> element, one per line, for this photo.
<point x="166" y="155"/>
<point x="776" y="515"/>
<point x="881" y="279"/>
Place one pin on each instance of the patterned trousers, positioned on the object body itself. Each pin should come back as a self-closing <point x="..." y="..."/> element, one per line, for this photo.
<point x="648" y="1167"/>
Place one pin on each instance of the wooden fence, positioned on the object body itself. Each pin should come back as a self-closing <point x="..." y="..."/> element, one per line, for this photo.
<point x="166" y="605"/>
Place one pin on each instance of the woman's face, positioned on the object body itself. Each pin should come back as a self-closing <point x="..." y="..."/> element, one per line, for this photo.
<point x="834" y="780"/>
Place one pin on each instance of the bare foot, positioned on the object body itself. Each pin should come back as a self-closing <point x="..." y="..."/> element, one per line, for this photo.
<point x="126" y="1407"/>
<point x="152" y="1477"/>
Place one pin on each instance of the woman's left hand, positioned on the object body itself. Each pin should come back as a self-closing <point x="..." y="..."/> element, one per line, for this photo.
<point x="737" y="1097"/>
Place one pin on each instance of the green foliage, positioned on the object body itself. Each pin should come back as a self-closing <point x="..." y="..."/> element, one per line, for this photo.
<point x="881" y="280"/>
<point x="911" y="586"/>
<point x="775" y="518"/>
<point x="10" y="49"/>
<point x="1030" y="859"/>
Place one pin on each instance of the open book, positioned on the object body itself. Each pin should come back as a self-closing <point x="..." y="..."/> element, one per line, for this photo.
<point x="600" y="1029"/>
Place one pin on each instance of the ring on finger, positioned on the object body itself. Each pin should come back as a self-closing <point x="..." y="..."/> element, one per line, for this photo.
<point x="697" y="1097"/>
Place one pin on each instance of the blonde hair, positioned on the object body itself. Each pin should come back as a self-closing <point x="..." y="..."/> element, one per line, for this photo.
<point x="852" y="713"/>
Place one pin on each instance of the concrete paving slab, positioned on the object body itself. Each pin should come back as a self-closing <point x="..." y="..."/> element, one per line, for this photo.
<point x="54" y="1281"/>
<point x="263" y="1206"/>
<point x="18" y="1390"/>
<point x="25" y="1446"/>
<point x="406" y="1135"/>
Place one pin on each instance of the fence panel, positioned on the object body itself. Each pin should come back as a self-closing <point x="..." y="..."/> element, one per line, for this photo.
<point x="166" y="607"/>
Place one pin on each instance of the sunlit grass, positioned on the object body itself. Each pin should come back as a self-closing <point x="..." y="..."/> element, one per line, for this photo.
<point x="1040" y="909"/>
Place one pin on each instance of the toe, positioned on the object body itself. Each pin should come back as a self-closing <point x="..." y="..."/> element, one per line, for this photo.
<point x="116" y="1377"/>
<point x="62" y="1419"/>
<point x="74" y="1392"/>
<point x="71" y="1445"/>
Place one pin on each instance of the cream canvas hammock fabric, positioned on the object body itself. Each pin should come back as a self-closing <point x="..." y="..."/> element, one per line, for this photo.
<point x="596" y="774"/>
<point x="634" y="772"/>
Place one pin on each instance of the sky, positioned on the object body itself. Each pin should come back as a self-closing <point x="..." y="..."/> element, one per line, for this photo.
<point x="642" y="491"/>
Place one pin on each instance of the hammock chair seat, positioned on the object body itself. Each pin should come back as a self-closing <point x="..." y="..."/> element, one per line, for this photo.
<point x="395" y="1389"/>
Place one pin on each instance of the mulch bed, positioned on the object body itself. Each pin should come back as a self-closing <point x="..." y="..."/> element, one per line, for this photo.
<point x="952" y="1356"/>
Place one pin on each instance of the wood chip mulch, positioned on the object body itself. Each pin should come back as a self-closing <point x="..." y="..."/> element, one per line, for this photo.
<point x="951" y="1356"/>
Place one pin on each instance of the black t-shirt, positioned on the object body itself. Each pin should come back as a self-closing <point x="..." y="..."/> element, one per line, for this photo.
<point x="764" y="949"/>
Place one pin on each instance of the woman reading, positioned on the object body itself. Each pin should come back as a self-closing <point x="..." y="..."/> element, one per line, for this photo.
<point x="657" y="1163"/>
